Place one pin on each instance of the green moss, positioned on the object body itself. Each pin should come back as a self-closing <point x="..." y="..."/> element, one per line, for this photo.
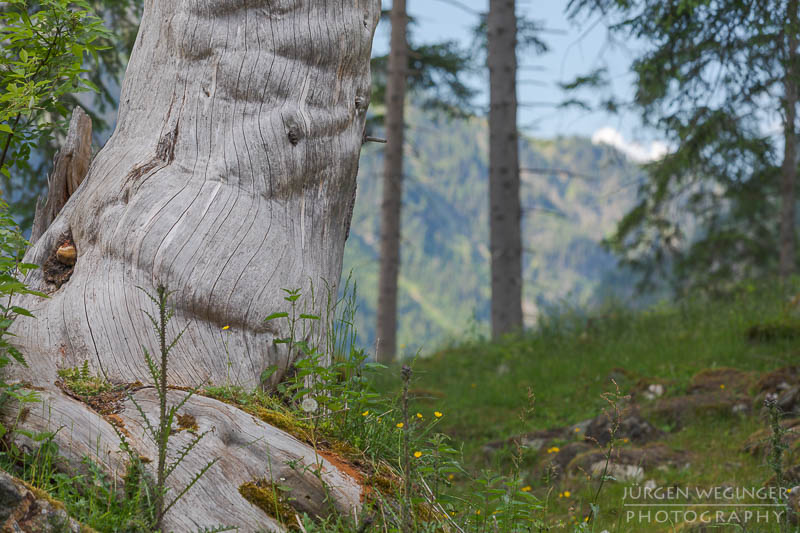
<point x="44" y="495"/>
<point x="267" y="496"/>
<point x="383" y="484"/>
<point x="282" y="421"/>
<point x="255" y="403"/>
<point x="80" y="381"/>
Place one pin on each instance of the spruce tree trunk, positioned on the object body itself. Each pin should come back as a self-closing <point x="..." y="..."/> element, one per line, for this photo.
<point x="504" y="205"/>
<point x="392" y="204"/>
<point x="229" y="178"/>
<point x="789" y="167"/>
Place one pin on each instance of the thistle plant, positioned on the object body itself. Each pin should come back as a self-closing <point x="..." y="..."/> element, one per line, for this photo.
<point x="161" y="430"/>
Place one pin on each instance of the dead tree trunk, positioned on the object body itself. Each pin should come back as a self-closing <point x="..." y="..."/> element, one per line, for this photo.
<point x="69" y="170"/>
<point x="789" y="167"/>
<point x="229" y="177"/>
<point x="392" y="205"/>
<point x="505" y="212"/>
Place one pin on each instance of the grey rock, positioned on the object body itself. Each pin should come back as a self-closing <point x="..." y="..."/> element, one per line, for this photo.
<point x="10" y="496"/>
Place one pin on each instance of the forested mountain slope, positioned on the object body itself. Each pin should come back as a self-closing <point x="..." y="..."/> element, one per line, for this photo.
<point x="444" y="278"/>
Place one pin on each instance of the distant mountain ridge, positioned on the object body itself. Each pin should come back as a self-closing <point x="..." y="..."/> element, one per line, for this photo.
<point x="444" y="276"/>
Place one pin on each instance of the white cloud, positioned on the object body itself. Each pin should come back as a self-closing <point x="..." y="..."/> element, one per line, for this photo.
<point x="634" y="150"/>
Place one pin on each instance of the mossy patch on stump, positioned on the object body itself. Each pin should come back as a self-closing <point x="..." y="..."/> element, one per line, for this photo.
<point x="268" y="497"/>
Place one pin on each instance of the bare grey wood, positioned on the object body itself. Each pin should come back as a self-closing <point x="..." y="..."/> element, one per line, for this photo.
<point x="70" y="166"/>
<point x="505" y="213"/>
<point x="392" y="204"/>
<point x="247" y="448"/>
<point x="229" y="177"/>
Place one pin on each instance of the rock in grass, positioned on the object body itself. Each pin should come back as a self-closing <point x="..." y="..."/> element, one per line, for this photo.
<point x="628" y="464"/>
<point x="10" y="496"/>
<point x="533" y="440"/>
<point x="23" y="509"/>
<point x="678" y="410"/>
<point x="779" y="380"/>
<point x="784" y="384"/>
<point x="728" y="379"/>
<point x="631" y="425"/>
<point x="759" y="444"/>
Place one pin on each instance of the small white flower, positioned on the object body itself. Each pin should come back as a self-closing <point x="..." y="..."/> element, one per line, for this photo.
<point x="309" y="405"/>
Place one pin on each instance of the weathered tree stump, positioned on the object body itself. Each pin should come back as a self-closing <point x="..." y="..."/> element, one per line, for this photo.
<point x="229" y="177"/>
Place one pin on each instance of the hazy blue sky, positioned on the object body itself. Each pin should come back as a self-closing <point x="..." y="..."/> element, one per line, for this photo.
<point x="574" y="49"/>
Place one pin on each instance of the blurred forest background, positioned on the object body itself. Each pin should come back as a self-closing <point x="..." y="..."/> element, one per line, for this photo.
<point x="576" y="184"/>
<point x="630" y="180"/>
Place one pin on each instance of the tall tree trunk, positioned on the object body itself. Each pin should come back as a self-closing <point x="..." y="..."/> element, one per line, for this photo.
<point x="789" y="167"/>
<point x="392" y="185"/>
<point x="504" y="204"/>
<point x="229" y="177"/>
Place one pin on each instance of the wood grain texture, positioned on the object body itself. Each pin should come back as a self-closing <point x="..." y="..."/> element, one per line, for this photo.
<point x="247" y="448"/>
<point x="70" y="166"/>
<point x="229" y="177"/>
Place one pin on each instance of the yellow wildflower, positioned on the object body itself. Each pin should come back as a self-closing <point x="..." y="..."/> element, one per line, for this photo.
<point x="226" y="327"/>
<point x="399" y="424"/>
<point x="419" y="415"/>
<point x="437" y="414"/>
<point x="417" y="454"/>
<point x="451" y="476"/>
<point x="365" y="413"/>
<point x="526" y="488"/>
<point x="554" y="449"/>
<point x="478" y="511"/>
<point x="567" y="494"/>
<point x="722" y="386"/>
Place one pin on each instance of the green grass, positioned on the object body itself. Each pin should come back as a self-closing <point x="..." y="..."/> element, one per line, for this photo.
<point x="569" y="363"/>
<point x="483" y="387"/>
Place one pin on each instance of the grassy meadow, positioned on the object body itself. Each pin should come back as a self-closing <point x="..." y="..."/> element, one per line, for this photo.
<point x="557" y="377"/>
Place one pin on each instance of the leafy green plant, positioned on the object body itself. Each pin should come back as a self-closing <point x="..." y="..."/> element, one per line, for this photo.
<point x="81" y="381"/>
<point x="12" y="271"/>
<point x="92" y="497"/>
<point x="41" y="60"/>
